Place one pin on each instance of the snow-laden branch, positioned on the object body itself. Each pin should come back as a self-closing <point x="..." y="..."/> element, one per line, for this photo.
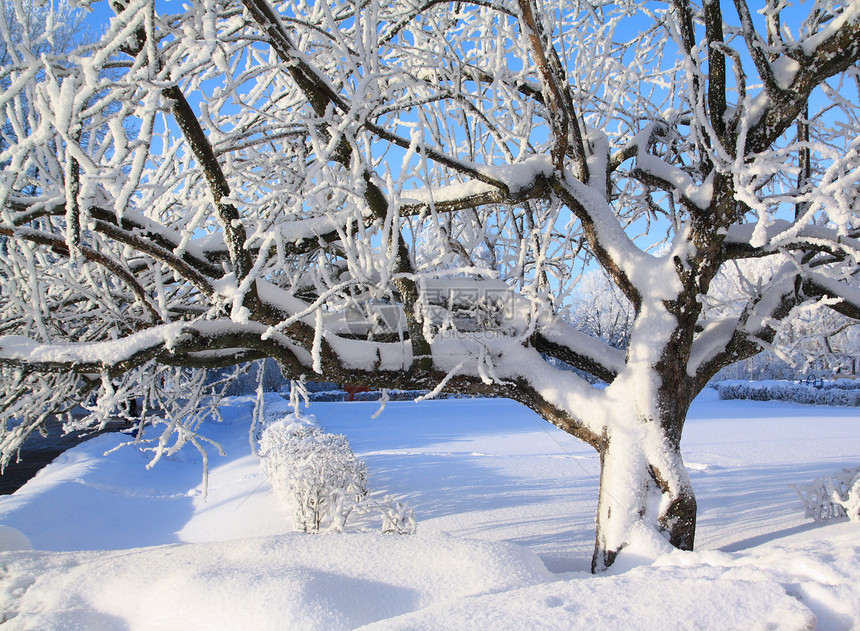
<point x="723" y="341"/>
<point x="411" y="12"/>
<point x="789" y="82"/>
<point x="633" y="269"/>
<point x="711" y="343"/>
<point x="91" y="357"/>
<point x="321" y="93"/>
<point x="177" y="343"/>
<point x="565" y="126"/>
<point x="653" y="170"/>
<point x="59" y="245"/>
<point x="845" y="298"/>
<point x="522" y="181"/>
<point x="658" y="172"/>
<point x="749" y="240"/>
<point x="582" y="351"/>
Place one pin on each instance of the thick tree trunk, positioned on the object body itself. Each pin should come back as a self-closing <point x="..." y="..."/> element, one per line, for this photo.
<point x="644" y="491"/>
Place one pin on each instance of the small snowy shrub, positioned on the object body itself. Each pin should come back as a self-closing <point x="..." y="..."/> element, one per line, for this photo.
<point x="397" y="517"/>
<point x="832" y="496"/>
<point x="729" y="390"/>
<point x="314" y="474"/>
<point x="848" y="496"/>
<point x="803" y="394"/>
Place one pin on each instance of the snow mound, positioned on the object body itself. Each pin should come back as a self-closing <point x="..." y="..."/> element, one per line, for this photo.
<point x="618" y="602"/>
<point x="800" y="582"/>
<point x="818" y="567"/>
<point x="294" y="581"/>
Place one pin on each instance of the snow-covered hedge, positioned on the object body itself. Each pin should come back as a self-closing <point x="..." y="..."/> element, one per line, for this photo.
<point x="843" y="392"/>
<point x="327" y="396"/>
<point x="832" y="496"/>
<point x="320" y="481"/>
<point x="408" y="395"/>
<point x="315" y="475"/>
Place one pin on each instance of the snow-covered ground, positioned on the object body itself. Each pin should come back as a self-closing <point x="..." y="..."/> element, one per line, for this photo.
<point x="505" y="505"/>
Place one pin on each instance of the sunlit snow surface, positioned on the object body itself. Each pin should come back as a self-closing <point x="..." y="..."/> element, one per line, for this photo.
<point x="505" y="505"/>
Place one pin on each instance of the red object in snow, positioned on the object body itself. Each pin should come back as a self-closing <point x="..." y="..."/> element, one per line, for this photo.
<point x="352" y="389"/>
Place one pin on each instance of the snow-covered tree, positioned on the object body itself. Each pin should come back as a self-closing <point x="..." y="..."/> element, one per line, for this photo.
<point x="815" y="340"/>
<point x="39" y="28"/>
<point x="821" y="342"/>
<point x="249" y="179"/>
<point x="600" y="309"/>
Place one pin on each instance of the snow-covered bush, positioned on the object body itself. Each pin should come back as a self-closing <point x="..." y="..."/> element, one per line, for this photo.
<point x="320" y="481"/>
<point x="397" y="517"/>
<point x="314" y="474"/>
<point x="832" y="496"/>
<point x="847" y="494"/>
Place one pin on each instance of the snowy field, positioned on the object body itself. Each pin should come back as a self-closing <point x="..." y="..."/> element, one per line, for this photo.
<point x="505" y="506"/>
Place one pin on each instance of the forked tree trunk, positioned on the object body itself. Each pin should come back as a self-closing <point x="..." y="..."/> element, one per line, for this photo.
<point x="644" y="490"/>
